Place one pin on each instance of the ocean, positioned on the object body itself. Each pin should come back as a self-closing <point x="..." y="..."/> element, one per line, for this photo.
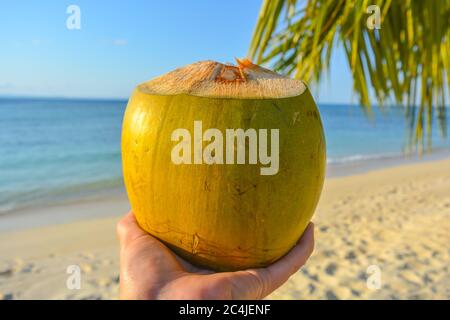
<point x="59" y="150"/>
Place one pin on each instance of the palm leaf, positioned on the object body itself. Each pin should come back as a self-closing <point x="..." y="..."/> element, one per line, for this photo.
<point x="406" y="62"/>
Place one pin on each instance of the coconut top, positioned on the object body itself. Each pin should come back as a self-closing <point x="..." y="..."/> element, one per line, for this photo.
<point x="218" y="80"/>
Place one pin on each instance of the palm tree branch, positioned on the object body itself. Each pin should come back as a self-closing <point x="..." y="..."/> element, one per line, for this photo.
<point x="406" y="58"/>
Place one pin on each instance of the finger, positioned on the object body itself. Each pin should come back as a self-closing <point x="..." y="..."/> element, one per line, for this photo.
<point x="266" y="280"/>
<point x="128" y="229"/>
<point x="282" y="269"/>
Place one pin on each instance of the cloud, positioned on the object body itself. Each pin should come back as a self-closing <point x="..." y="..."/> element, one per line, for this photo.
<point x="120" y="42"/>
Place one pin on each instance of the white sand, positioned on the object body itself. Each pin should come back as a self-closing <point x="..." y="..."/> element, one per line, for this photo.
<point x="397" y="219"/>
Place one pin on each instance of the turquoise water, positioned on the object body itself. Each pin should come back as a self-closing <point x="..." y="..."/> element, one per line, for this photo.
<point x="60" y="150"/>
<point x="56" y="150"/>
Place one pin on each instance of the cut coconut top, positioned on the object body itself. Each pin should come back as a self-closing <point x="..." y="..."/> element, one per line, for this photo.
<point x="214" y="79"/>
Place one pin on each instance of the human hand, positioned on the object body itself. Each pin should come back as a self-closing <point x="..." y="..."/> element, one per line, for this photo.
<point x="150" y="270"/>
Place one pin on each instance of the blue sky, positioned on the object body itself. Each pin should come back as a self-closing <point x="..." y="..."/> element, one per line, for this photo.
<point x="123" y="43"/>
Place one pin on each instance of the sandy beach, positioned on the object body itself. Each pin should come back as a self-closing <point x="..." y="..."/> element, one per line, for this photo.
<point x="396" y="220"/>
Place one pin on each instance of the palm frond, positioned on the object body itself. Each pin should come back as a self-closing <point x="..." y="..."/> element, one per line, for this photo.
<point x="406" y="62"/>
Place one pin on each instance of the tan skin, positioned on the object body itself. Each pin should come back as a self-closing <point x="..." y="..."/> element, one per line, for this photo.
<point x="150" y="270"/>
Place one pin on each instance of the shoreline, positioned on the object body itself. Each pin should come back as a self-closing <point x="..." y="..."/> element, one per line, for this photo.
<point x="74" y="210"/>
<point x="45" y="214"/>
<point x="350" y="168"/>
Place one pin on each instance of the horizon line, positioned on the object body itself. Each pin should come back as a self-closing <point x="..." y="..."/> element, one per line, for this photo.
<point x="31" y="97"/>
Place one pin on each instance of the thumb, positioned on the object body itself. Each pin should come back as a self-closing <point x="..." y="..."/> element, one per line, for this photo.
<point x="258" y="283"/>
